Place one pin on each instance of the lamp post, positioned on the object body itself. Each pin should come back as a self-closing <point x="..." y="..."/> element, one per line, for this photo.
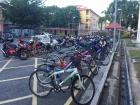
<point x="138" y="32"/>
<point x="120" y="22"/>
<point x="115" y="17"/>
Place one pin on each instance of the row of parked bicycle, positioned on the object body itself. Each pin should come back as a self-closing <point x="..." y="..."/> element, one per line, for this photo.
<point x="73" y="69"/>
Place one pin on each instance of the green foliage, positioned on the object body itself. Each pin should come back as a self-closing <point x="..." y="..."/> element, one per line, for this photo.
<point x="24" y="12"/>
<point x="31" y="13"/>
<point x="125" y="34"/>
<point x="60" y="17"/>
<point x="102" y="33"/>
<point x="129" y="43"/>
<point x="127" y="11"/>
<point x="134" y="53"/>
<point x="137" y="67"/>
<point x="101" y="21"/>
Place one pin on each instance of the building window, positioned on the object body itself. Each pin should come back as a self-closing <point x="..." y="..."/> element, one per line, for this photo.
<point x="86" y="20"/>
<point x="87" y="12"/>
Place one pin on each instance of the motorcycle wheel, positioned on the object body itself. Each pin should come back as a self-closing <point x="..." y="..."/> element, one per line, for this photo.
<point x="23" y="55"/>
<point x="5" y="55"/>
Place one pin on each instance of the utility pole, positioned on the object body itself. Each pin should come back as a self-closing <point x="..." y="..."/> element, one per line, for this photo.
<point x="115" y="18"/>
<point x="120" y="22"/>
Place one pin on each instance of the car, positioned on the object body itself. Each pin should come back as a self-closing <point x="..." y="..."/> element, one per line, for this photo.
<point x="45" y="38"/>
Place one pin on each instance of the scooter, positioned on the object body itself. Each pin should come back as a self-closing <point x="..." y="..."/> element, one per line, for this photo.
<point x="10" y="49"/>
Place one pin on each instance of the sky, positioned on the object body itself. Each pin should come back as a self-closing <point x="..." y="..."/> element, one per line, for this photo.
<point x="96" y="5"/>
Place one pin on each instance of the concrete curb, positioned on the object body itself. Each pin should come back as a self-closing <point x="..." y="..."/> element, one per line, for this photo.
<point x="100" y="88"/>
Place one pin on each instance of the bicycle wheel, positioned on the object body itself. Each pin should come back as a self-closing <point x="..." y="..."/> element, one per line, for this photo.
<point x="106" y="60"/>
<point x="38" y="88"/>
<point x="93" y="66"/>
<point x="85" y="68"/>
<point x="51" y="58"/>
<point x="57" y="47"/>
<point x="83" y="90"/>
<point x="42" y="73"/>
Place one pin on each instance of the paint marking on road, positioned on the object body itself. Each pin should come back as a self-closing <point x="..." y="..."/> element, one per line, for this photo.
<point x="15" y="99"/>
<point x="69" y="101"/>
<point x="4" y="60"/>
<point x="18" y="67"/>
<point x="14" y="79"/>
<point x="3" y="67"/>
<point x="34" y="98"/>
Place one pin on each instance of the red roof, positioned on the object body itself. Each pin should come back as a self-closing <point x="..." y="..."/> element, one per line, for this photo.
<point x="112" y="25"/>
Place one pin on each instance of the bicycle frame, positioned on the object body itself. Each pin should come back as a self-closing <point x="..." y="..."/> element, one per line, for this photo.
<point x="73" y="72"/>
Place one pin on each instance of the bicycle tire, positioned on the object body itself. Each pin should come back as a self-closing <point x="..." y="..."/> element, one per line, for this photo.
<point x="94" y="68"/>
<point x="75" y="87"/>
<point x="51" y="57"/>
<point x="86" y="68"/>
<point x="37" y="87"/>
<point x="106" y="61"/>
<point x="43" y="68"/>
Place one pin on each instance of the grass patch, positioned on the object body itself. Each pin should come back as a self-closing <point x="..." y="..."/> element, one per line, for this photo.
<point x="129" y="43"/>
<point x="137" y="67"/>
<point x="134" y="53"/>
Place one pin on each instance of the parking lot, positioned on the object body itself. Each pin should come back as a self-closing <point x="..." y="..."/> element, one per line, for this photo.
<point x="14" y="89"/>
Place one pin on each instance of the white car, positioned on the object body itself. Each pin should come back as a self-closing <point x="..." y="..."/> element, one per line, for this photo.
<point x="45" y="39"/>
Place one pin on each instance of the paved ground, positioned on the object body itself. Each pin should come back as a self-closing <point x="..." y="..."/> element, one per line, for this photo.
<point x="14" y="75"/>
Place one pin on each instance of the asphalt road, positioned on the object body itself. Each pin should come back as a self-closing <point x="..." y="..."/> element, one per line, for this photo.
<point x="14" y="89"/>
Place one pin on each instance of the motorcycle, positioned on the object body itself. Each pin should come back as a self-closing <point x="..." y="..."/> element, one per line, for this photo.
<point x="10" y="49"/>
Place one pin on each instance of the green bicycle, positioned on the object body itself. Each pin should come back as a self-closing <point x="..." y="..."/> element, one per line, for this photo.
<point x="44" y="81"/>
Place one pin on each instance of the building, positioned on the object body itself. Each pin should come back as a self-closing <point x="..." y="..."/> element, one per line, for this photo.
<point x="89" y="20"/>
<point x="16" y="30"/>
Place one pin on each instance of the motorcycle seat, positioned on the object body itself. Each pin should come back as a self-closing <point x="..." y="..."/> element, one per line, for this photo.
<point x="12" y="46"/>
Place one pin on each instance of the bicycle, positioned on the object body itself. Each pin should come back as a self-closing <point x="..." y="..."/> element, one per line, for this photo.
<point x="48" y="80"/>
<point x="86" y="64"/>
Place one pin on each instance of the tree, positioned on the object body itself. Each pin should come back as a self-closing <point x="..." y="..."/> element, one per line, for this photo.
<point x="60" y="17"/>
<point x="72" y="15"/>
<point x="128" y="13"/>
<point x="31" y="13"/>
<point x="101" y="21"/>
<point x="25" y="13"/>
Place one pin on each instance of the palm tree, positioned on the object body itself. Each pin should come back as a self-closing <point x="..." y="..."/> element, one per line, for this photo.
<point x="101" y="21"/>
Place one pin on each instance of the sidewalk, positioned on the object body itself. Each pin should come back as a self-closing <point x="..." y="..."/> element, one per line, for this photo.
<point x="135" y="83"/>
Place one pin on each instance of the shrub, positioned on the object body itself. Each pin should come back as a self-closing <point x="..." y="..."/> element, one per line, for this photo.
<point x="103" y="33"/>
<point x="125" y="34"/>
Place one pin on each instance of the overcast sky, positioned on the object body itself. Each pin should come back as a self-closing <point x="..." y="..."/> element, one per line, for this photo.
<point x="96" y="5"/>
